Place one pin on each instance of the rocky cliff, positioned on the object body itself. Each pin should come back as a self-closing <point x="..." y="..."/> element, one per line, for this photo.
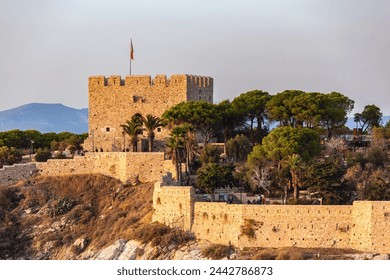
<point x="97" y="217"/>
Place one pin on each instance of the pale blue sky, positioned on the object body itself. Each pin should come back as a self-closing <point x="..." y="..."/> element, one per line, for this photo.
<point x="49" y="48"/>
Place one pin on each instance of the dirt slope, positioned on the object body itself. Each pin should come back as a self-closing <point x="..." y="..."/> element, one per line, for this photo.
<point x="76" y="217"/>
<point x="44" y="218"/>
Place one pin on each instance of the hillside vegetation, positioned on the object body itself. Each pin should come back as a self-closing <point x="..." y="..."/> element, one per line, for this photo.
<point x="81" y="216"/>
<point x="43" y="219"/>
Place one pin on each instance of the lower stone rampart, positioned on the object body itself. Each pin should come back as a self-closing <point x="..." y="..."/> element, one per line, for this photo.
<point x="274" y="226"/>
<point x="179" y="214"/>
<point x="11" y="174"/>
<point x="146" y="167"/>
<point x="361" y="226"/>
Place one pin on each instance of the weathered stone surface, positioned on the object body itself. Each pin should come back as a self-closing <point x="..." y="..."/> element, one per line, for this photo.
<point x="362" y="226"/>
<point x="112" y="252"/>
<point x="11" y="174"/>
<point x="130" y="250"/>
<point x="149" y="252"/>
<point x="383" y="257"/>
<point x="81" y="243"/>
<point x="194" y="254"/>
<point x="147" y="167"/>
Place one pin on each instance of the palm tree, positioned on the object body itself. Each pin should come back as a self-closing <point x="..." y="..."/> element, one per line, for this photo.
<point x="151" y="123"/>
<point x="294" y="163"/>
<point x="138" y="118"/>
<point x="133" y="128"/>
<point x="176" y="144"/>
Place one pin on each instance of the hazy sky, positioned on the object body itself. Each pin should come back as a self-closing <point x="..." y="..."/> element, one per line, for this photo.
<point x="49" y="48"/>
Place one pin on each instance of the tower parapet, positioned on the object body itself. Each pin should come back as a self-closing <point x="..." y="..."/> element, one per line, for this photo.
<point x="200" y="81"/>
<point x="113" y="100"/>
<point x="146" y="80"/>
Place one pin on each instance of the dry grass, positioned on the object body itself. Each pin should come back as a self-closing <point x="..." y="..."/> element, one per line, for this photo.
<point x="217" y="251"/>
<point x="160" y="235"/>
<point x="294" y="253"/>
<point x="105" y="212"/>
<point x="94" y="207"/>
<point x="249" y="228"/>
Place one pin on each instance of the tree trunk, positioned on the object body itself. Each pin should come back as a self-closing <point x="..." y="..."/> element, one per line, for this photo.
<point x="134" y="143"/>
<point x="285" y="190"/>
<point x="296" y="193"/>
<point x="176" y="165"/>
<point x="180" y="173"/>
<point x="150" y="144"/>
<point x="187" y="166"/>
<point x="295" y="185"/>
<point x="252" y="134"/>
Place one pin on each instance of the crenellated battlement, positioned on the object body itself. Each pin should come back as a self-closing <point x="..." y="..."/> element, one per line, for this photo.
<point x="146" y="80"/>
<point x="200" y="81"/>
<point x="114" y="99"/>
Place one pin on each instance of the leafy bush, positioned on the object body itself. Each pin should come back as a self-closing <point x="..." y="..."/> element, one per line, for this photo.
<point x="64" y="205"/>
<point x="42" y="155"/>
<point x="9" y="156"/>
<point x="210" y="154"/>
<point x="214" y="175"/>
<point x="238" y="148"/>
<point x="377" y="156"/>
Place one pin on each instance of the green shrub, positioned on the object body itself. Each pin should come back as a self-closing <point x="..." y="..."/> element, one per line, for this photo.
<point x="42" y="155"/>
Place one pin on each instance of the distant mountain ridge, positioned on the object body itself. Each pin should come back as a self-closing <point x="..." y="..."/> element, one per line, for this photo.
<point x="45" y="118"/>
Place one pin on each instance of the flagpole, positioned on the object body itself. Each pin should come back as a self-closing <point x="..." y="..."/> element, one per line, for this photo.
<point x="130" y="58"/>
<point x="131" y="54"/>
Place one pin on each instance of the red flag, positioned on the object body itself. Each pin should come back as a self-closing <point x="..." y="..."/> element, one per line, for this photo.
<point x="131" y="50"/>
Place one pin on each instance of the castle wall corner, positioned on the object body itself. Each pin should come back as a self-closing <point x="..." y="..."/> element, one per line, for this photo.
<point x="362" y="226"/>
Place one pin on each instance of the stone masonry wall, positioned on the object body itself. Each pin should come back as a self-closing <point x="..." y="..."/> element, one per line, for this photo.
<point x="373" y="221"/>
<point x="123" y="166"/>
<point x="10" y="174"/>
<point x="275" y="226"/>
<point x="113" y="101"/>
<point x="363" y="226"/>
<point x="178" y="214"/>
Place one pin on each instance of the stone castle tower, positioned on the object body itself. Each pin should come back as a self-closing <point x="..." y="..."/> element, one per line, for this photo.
<point x="113" y="101"/>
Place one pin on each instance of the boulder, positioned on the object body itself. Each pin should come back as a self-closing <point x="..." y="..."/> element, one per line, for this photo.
<point x="130" y="250"/>
<point x="111" y="252"/>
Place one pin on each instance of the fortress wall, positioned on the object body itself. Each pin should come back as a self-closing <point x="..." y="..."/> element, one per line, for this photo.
<point x="299" y="225"/>
<point x="362" y="216"/>
<point x="173" y="205"/>
<point x="56" y="167"/>
<point x="11" y="174"/>
<point x="380" y="225"/>
<point x="149" y="166"/>
<point x="363" y="226"/>
<point x="113" y="101"/>
<point x="217" y="222"/>
<point x="279" y="225"/>
<point x="123" y="166"/>
<point x="372" y="218"/>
